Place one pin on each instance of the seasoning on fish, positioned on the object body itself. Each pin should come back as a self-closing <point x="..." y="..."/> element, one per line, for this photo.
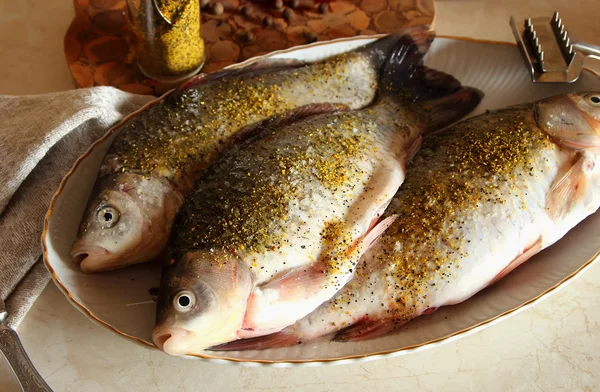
<point x="276" y="226"/>
<point x="479" y="199"/>
<point x="165" y="148"/>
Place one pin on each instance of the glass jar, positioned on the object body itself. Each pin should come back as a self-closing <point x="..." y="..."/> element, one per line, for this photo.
<point x="168" y="44"/>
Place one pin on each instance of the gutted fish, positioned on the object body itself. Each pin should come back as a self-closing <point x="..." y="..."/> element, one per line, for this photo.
<point x="276" y="226"/>
<point x="161" y="152"/>
<point x="479" y="199"/>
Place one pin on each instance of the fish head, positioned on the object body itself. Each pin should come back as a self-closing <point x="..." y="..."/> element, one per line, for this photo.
<point x="127" y="221"/>
<point x="201" y="302"/>
<point x="573" y="120"/>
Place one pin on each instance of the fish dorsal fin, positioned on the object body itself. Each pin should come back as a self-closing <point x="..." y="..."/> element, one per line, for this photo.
<point x="259" y="67"/>
<point x="276" y="122"/>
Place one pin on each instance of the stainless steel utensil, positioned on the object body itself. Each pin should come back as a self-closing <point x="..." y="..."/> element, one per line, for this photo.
<point x="21" y="365"/>
<point x="550" y="54"/>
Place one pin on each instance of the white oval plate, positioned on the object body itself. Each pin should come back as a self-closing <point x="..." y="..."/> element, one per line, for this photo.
<point x="119" y="301"/>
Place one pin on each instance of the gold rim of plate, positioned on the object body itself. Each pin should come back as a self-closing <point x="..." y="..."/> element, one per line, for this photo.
<point x="291" y="362"/>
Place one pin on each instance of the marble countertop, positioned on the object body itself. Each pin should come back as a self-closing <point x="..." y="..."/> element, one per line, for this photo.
<point x="552" y="346"/>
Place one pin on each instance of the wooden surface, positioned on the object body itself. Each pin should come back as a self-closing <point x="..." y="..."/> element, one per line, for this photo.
<point x="99" y="50"/>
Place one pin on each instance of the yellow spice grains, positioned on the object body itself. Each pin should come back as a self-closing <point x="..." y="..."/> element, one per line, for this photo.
<point x="288" y="167"/>
<point x="455" y="172"/>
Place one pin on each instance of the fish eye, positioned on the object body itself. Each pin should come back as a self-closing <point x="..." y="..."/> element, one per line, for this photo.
<point x="107" y="216"/>
<point x="184" y="301"/>
<point x="594" y="99"/>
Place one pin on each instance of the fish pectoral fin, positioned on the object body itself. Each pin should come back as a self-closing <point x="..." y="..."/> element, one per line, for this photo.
<point x="262" y="66"/>
<point x="568" y="188"/>
<point x="429" y="311"/>
<point x="301" y="282"/>
<point x="306" y="283"/>
<point x="376" y="231"/>
<point x="286" y="118"/>
<point x="274" y="340"/>
<point x="380" y="211"/>
<point x="535" y="248"/>
<point x="365" y="329"/>
<point x="298" y="288"/>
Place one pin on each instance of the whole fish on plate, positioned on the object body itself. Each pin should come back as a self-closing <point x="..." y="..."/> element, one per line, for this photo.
<point x="162" y="151"/>
<point x="480" y="198"/>
<point x="277" y="224"/>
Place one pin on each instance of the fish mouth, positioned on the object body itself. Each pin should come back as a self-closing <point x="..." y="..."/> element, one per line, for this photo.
<point x="173" y="341"/>
<point x="91" y="258"/>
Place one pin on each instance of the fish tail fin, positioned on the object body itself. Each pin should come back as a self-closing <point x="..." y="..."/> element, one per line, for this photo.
<point x="278" y="339"/>
<point x="439" y="99"/>
<point x="441" y="112"/>
<point x="378" y="51"/>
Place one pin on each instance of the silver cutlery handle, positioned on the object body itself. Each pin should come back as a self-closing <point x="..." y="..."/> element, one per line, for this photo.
<point x="587" y="49"/>
<point x="21" y="365"/>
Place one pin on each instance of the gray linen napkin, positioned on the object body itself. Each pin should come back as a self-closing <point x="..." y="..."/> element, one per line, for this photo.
<point x="41" y="137"/>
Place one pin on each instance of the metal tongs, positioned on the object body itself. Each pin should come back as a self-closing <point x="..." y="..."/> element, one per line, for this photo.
<point x="550" y="54"/>
<point x="21" y="365"/>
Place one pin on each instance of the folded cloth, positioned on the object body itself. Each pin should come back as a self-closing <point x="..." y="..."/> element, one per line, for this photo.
<point x="41" y="137"/>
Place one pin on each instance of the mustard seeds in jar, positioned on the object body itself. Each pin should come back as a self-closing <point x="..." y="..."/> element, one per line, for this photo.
<point x="167" y="38"/>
